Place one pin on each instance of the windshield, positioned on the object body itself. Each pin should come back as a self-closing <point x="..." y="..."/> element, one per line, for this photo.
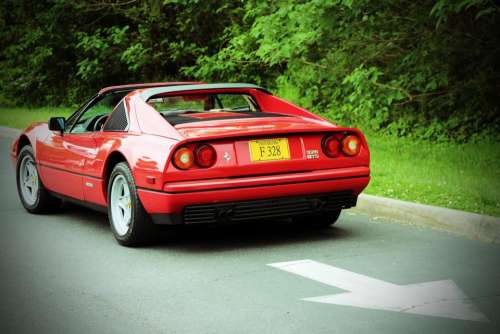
<point x="203" y="103"/>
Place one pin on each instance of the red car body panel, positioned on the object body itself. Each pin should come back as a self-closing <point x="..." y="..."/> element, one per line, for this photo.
<point x="77" y="165"/>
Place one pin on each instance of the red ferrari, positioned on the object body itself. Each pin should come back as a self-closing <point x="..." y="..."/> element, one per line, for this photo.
<point x="191" y="153"/>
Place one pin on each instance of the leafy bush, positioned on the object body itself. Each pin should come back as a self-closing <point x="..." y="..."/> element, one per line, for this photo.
<point x="428" y="68"/>
<point x="425" y="68"/>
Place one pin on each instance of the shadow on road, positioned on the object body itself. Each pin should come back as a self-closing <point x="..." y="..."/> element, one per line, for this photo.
<point x="213" y="238"/>
<point x="246" y="235"/>
<point x="79" y="214"/>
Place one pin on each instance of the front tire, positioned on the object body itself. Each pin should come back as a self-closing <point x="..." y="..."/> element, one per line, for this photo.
<point x="130" y="223"/>
<point x="34" y="196"/>
<point x="323" y="220"/>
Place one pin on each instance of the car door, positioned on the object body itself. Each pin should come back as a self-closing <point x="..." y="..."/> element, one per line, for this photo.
<point x="62" y="160"/>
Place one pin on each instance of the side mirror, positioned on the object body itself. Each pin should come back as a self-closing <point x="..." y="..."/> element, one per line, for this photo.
<point x="57" y="124"/>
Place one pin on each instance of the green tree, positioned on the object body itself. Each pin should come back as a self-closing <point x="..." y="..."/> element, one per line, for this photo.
<point x="429" y="68"/>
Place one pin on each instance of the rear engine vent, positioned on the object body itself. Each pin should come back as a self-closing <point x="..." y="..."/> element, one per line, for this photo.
<point x="268" y="208"/>
<point x="118" y="120"/>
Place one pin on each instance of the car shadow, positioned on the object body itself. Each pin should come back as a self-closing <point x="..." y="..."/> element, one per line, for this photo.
<point x="91" y="218"/>
<point x="260" y="234"/>
<point x="220" y="237"/>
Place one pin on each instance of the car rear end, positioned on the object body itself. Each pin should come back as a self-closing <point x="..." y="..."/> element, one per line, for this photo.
<point x="244" y="154"/>
<point x="261" y="176"/>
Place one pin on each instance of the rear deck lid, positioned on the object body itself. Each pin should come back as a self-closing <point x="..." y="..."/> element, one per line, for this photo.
<point x="254" y="124"/>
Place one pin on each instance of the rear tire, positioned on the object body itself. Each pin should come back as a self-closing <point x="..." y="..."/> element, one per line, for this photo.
<point x="34" y="196"/>
<point x="130" y="223"/>
<point x="323" y="220"/>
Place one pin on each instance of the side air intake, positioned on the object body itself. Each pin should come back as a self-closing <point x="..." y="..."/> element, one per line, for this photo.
<point x="118" y="120"/>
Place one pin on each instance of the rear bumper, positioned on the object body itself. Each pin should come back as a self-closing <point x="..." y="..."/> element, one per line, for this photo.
<point x="259" y="181"/>
<point x="167" y="207"/>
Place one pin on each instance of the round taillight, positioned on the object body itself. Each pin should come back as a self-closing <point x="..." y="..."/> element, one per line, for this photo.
<point x="331" y="146"/>
<point x="183" y="158"/>
<point x="351" y="145"/>
<point x="205" y="156"/>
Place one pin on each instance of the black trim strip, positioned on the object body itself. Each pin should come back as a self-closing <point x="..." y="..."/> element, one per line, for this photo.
<point x="167" y="218"/>
<point x="268" y="208"/>
<point x="70" y="172"/>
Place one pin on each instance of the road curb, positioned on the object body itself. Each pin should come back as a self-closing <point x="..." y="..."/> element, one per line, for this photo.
<point x="482" y="227"/>
<point x="472" y="225"/>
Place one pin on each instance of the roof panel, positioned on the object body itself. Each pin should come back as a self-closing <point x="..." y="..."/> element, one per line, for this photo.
<point x="146" y="94"/>
<point x="145" y="85"/>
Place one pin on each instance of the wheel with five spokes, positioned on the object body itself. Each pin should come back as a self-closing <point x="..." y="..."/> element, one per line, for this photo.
<point x="130" y="223"/>
<point x="34" y="197"/>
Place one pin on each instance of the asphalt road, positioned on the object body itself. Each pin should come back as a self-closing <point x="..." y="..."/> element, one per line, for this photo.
<point x="64" y="273"/>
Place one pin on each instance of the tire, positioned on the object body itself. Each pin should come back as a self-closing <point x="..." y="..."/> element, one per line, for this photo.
<point x="318" y="221"/>
<point x="130" y="228"/>
<point x="33" y="195"/>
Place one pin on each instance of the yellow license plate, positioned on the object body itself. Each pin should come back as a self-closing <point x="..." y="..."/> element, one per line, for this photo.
<point x="269" y="149"/>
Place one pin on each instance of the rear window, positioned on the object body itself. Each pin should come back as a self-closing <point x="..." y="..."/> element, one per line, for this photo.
<point x="203" y="103"/>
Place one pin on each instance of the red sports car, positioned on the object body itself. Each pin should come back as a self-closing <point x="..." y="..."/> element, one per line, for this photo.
<point x="191" y="153"/>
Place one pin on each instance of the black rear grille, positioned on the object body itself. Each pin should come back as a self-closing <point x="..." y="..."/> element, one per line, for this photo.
<point x="268" y="208"/>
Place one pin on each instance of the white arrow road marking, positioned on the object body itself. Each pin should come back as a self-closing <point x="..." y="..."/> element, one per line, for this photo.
<point x="438" y="299"/>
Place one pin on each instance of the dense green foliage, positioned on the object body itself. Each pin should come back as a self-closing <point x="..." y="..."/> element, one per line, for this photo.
<point x="424" y="68"/>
